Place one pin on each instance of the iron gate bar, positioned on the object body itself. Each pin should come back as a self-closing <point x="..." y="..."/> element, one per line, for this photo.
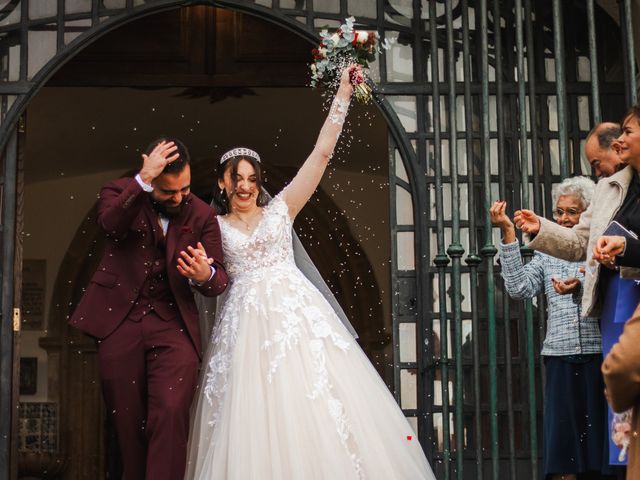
<point x="441" y="260"/>
<point x="497" y="30"/>
<point x="393" y="221"/>
<point x="543" y="134"/>
<point x="524" y="170"/>
<point x="472" y="260"/>
<point x="16" y="88"/>
<point x="522" y="110"/>
<point x="60" y="31"/>
<point x="489" y="250"/>
<point x="427" y="363"/>
<point x="561" y="95"/>
<point x="24" y="41"/>
<point x="535" y="153"/>
<point x="417" y="44"/>
<point x="6" y="324"/>
<point x="399" y="88"/>
<point x="424" y="326"/>
<point x="593" y="64"/>
<point x="455" y="250"/>
<point x="499" y="94"/>
<point x="573" y="121"/>
<point x="533" y="104"/>
<point x="97" y="8"/>
<point x="309" y="13"/>
<point x="382" y="64"/>
<point x="628" y="49"/>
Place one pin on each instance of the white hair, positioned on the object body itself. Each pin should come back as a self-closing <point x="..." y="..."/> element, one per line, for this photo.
<point x="580" y="187"/>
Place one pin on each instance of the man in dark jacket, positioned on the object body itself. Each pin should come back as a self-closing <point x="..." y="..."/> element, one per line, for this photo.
<point x="162" y="242"/>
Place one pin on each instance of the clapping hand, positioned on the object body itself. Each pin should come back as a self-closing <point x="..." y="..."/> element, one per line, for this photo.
<point x="499" y="218"/>
<point x="154" y="163"/>
<point x="606" y="249"/>
<point x="527" y="221"/>
<point x="563" y="287"/>
<point x="195" y="264"/>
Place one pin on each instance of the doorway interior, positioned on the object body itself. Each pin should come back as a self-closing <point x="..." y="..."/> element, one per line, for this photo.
<point x="216" y="79"/>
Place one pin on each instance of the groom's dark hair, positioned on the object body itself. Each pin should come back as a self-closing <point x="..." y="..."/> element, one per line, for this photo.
<point x="180" y="163"/>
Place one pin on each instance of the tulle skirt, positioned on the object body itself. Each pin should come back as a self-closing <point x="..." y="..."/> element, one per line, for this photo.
<point x="287" y="393"/>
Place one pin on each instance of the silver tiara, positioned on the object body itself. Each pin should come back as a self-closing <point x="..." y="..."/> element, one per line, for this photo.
<point x="240" y="152"/>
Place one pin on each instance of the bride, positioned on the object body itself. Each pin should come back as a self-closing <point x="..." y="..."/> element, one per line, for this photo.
<point x="286" y="392"/>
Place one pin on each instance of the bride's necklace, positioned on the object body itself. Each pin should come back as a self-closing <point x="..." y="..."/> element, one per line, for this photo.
<point x="247" y="224"/>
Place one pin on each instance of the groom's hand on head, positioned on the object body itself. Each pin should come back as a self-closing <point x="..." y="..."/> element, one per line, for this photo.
<point x="153" y="164"/>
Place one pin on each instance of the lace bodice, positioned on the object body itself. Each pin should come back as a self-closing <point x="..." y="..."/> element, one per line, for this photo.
<point x="268" y="246"/>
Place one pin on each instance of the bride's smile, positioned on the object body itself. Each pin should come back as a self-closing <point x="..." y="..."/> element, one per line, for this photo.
<point x="241" y="187"/>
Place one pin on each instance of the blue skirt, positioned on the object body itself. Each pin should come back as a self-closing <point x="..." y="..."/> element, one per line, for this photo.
<point x="574" y="411"/>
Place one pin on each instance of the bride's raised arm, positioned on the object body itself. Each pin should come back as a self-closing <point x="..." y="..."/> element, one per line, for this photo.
<point x="298" y="192"/>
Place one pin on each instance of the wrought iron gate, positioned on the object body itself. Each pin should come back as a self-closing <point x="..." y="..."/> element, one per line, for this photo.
<point x="484" y="100"/>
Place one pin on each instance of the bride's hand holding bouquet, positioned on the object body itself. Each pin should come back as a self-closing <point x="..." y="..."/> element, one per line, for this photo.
<point x="345" y="47"/>
<point x="351" y="77"/>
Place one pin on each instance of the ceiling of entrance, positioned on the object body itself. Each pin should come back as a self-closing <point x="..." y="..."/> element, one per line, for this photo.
<point x="214" y="78"/>
<point x="82" y="131"/>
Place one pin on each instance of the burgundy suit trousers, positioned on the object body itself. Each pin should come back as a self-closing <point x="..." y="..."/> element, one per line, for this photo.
<point x="149" y="372"/>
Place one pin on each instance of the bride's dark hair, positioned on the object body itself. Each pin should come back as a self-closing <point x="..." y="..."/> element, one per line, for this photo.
<point x="220" y="199"/>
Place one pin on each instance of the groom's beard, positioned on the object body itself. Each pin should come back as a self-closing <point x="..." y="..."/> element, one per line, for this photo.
<point x="169" y="211"/>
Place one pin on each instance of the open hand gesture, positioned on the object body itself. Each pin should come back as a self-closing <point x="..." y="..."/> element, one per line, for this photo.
<point x="527" y="221"/>
<point x="606" y="249"/>
<point x="563" y="287"/>
<point x="154" y="163"/>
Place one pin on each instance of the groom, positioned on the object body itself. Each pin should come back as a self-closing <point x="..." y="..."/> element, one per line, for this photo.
<point x="160" y="240"/>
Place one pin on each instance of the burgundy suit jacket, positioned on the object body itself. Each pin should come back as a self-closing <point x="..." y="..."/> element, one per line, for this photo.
<point x="131" y="225"/>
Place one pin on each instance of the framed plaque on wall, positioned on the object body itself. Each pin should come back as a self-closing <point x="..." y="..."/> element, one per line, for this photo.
<point x="33" y="293"/>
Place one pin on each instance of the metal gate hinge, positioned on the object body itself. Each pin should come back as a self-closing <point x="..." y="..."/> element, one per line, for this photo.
<point x="16" y="319"/>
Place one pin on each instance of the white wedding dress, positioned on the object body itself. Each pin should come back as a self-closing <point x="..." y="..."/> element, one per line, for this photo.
<point x="287" y="393"/>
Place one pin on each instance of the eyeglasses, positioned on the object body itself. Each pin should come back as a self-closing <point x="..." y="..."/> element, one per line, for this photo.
<point x="570" y="212"/>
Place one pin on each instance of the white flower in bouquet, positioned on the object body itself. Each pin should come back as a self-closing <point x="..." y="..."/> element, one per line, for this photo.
<point x="361" y="36"/>
<point x="343" y="47"/>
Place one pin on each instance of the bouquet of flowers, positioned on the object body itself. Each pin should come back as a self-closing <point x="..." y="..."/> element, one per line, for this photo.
<point x="621" y="432"/>
<point x="341" y="48"/>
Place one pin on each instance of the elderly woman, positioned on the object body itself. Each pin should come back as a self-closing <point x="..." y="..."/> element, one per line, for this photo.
<point x="573" y="430"/>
